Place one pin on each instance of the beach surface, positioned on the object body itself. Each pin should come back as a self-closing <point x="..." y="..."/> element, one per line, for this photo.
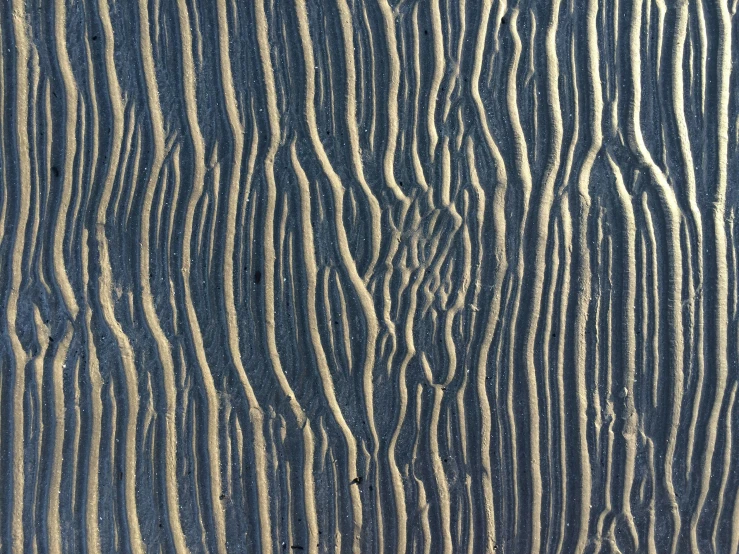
<point x="369" y="276"/>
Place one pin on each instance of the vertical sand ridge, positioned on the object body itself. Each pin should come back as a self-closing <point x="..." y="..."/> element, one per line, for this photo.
<point x="16" y="367"/>
<point x="582" y="292"/>
<point x="367" y="276"/>
<point x="105" y="283"/>
<point x="256" y="414"/>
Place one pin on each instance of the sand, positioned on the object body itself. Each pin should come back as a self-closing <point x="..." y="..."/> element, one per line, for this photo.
<point x="361" y="276"/>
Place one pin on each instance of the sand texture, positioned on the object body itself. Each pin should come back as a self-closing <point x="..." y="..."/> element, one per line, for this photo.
<point x="369" y="276"/>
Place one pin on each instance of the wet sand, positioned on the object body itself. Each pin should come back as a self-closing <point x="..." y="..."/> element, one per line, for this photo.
<point x="360" y="276"/>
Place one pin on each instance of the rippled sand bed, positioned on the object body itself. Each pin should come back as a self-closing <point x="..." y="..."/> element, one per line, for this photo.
<point x="361" y="276"/>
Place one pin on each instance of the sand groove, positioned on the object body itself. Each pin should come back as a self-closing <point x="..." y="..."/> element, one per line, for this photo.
<point x="358" y="276"/>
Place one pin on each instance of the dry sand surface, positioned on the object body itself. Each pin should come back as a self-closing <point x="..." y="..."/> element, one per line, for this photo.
<point x="369" y="276"/>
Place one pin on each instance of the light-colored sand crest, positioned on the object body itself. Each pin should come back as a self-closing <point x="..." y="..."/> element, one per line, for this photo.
<point x="3" y="169"/>
<point x="654" y="294"/>
<point x="726" y="468"/>
<point x="417" y="166"/>
<point x="345" y="328"/>
<point x="501" y="267"/>
<point x="95" y="142"/>
<point x="256" y="415"/>
<point x="82" y="177"/>
<point x="475" y="91"/>
<point x="652" y="511"/>
<point x="548" y="338"/>
<point x="74" y="408"/>
<point x="604" y="414"/>
<point x="523" y="170"/>
<point x="36" y="184"/>
<point x="450" y="317"/>
<point x="670" y="209"/>
<point x="105" y="288"/>
<point x="566" y="241"/>
<point x="600" y="297"/>
<point x="327" y="308"/>
<point x="42" y="336"/>
<point x="438" y="75"/>
<point x="442" y="483"/>
<point x="537" y="288"/>
<point x="643" y="312"/>
<point x="630" y="416"/>
<point x="422" y="507"/>
<point x="160" y="203"/>
<point x="455" y="65"/>
<point x="311" y="271"/>
<point x="372" y="73"/>
<point x="360" y="288"/>
<point x="509" y="363"/>
<point x="250" y="207"/>
<point x="43" y="210"/>
<point x="718" y="266"/>
<point x="165" y="356"/>
<point x="583" y="277"/>
<point x="53" y="527"/>
<point x="205" y="197"/>
<point x="460" y="406"/>
<point x="20" y="357"/>
<point x="132" y="188"/>
<point x="177" y="175"/>
<point x="132" y="396"/>
<point x="70" y="148"/>
<point x="131" y="127"/>
<point x="529" y="83"/>
<point x="216" y="183"/>
<point x="189" y="78"/>
<point x="387" y="299"/>
<point x="351" y="121"/>
<point x="678" y="112"/>
<point x="393" y="121"/>
<point x="269" y="259"/>
<point x="92" y="492"/>
<point x="703" y="39"/>
<point x="398" y="485"/>
<point x="193" y="451"/>
<point x="519" y="138"/>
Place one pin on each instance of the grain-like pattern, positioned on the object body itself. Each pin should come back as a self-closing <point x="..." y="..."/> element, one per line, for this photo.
<point x="363" y="276"/>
